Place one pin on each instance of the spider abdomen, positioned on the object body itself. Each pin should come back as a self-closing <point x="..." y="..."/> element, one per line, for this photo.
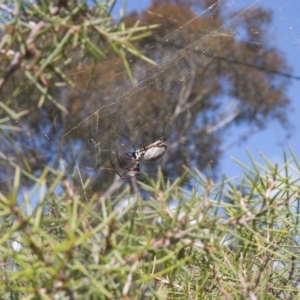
<point x="155" y="152"/>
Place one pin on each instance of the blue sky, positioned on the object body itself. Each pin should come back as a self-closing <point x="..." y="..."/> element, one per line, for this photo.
<point x="285" y="36"/>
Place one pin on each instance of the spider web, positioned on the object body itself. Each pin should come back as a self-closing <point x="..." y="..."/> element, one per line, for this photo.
<point x="124" y="115"/>
<point x="112" y="119"/>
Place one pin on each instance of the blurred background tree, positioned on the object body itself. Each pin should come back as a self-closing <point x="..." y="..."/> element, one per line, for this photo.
<point x="86" y="90"/>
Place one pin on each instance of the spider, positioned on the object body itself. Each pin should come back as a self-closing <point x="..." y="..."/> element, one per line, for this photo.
<point x="149" y="153"/>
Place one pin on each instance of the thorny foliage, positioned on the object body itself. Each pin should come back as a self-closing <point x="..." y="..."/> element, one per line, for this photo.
<point x="214" y="241"/>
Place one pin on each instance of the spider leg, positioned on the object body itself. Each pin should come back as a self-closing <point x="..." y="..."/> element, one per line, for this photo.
<point x="119" y="160"/>
<point x="162" y="134"/>
<point x="115" y="169"/>
<point x="130" y="158"/>
<point x="129" y="154"/>
<point x="129" y="176"/>
<point x="131" y="169"/>
<point x="136" y="169"/>
<point x="164" y="138"/>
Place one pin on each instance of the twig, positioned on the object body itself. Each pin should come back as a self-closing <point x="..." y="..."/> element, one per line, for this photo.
<point x="31" y="49"/>
<point x="129" y="278"/>
<point x="7" y="9"/>
<point x="15" y="63"/>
